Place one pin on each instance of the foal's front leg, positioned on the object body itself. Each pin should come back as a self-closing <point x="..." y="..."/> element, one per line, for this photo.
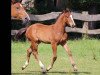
<point x="70" y="56"/>
<point x="54" y="57"/>
<point x="29" y="51"/>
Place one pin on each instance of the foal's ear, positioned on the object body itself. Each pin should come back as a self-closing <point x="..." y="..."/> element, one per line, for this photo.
<point x="67" y="10"/>
<point x="20" y="1"/>
<point x="15" y="1"/>
<point x="63" y="11"/>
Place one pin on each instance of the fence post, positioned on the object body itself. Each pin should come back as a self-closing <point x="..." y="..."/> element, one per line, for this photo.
<point x="85" y="26"/>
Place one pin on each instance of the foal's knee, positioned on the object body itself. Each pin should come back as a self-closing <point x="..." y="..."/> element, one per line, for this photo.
<point x="29" y="51"/>
<point x="54" y="58"/>
<point x="69" y="53"/>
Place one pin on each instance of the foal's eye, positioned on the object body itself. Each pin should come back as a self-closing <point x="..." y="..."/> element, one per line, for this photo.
<point x="67" y="16"/>
<point x="17" y="7"/>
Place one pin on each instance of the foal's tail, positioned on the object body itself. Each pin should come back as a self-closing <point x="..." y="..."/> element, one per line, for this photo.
<point x="20" y="32"/>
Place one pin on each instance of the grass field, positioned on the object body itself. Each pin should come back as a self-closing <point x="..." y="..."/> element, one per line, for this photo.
<point x="86" y="54"/>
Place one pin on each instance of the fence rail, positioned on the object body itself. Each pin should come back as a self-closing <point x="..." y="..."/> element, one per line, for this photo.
<point x="80" y="30"/>
<point x="84" y="16"/>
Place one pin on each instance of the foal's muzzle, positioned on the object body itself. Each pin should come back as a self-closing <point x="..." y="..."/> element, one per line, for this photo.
<point x="73" y="26"/>
<point x="25" y="21"/>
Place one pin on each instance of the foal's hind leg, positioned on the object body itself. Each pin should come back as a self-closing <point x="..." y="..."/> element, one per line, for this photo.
<point x="35" y="53"/>
<point x="29" y="51"/>
<point x="70" y="56"/>
<point x="54" y="57"/>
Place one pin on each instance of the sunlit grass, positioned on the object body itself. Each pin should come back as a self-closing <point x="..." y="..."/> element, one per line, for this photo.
<point x="84" y="52"/>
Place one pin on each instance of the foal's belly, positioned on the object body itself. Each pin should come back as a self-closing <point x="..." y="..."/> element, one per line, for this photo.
<point x="45" y="37"/>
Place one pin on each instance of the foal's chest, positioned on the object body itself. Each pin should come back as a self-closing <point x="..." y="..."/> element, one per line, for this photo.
<point x="61" y="37"/>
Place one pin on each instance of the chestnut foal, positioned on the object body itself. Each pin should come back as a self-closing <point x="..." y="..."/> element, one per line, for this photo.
<point x="52" y="34"/>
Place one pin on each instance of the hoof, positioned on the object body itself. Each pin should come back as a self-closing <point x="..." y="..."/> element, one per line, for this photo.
<point x="47" y="70"/>
<point x="23" y="68"/>
<point x="75" y="69"/>
<point x="44" y="70"/>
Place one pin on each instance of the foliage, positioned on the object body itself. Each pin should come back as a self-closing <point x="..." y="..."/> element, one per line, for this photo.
<point x="85" y="5"/>
<point x="86" y="1"/>
<point x="45" y="6"/>
<point x="38" y="6"/>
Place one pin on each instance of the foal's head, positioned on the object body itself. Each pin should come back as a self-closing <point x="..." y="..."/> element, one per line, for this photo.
<point x="18" y="12"/>
<point x="68" y="18"/>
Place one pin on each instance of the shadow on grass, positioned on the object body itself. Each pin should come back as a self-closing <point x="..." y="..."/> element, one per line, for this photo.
<point x="76" y="73"/>
<point x="21" y="73"/>
<point x="52" y="72"/>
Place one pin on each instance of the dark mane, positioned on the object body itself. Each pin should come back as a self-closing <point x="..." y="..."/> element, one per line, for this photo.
<point x="66" y="10"/>
<point x="58" y="16"/>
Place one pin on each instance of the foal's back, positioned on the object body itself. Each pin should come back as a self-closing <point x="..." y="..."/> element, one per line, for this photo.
<point x="40" y="32"/>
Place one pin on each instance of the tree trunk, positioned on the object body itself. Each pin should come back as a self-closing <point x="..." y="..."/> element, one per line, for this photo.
<point x="50" y="4"/>
<point x="59" y="4"/>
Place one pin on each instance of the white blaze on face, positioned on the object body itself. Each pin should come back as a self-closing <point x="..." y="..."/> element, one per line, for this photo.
<point x="26" y="64"/>
<point x="72" y="23"/>
<point x="21" y="5"/>
<point x="27" y="16"/>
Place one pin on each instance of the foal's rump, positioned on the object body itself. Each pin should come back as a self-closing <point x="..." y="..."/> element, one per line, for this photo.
<point x="40" y="32"/>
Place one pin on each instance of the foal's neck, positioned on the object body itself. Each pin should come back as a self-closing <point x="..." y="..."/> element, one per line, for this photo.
<point x="60" y="24"/>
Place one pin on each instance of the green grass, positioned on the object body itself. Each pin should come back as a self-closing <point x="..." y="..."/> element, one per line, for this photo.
<point x="86" y="54"/>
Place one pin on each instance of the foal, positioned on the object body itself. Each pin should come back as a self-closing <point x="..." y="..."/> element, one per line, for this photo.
<point x="52" y="34"/>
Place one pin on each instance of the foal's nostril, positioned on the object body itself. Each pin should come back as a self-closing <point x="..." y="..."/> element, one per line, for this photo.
<point x="73" y="26"/>
<point x="26" y="18"/>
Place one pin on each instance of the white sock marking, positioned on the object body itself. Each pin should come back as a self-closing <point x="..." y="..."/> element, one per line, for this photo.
<point x="41" y="65"/>
<point x="26" y="63"/>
